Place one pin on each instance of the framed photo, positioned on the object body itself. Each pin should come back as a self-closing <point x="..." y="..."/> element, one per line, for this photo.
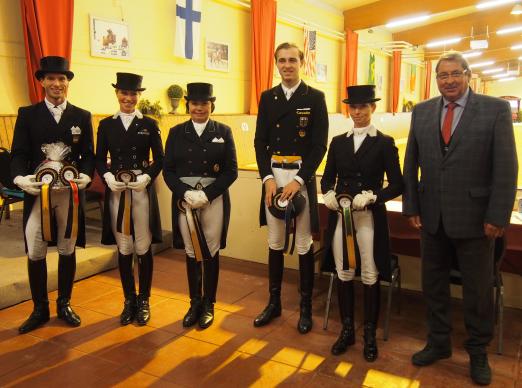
<point x="217" y="56"/>
<point x="321" y="73"/>
<point x="110" y="39"/>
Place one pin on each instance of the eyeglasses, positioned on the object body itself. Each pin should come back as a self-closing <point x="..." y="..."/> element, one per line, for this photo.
<point x="455" y="74"/>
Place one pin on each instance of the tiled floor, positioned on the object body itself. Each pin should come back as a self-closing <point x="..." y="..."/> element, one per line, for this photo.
<point x="231" y="353"/>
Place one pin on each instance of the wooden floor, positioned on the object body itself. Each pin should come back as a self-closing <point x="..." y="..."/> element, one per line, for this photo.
<point x="231" y="353"/>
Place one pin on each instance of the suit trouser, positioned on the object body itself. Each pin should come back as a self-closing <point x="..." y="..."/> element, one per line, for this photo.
<point x="36" y="246"/>
<point x="140" y="219"/>
<point x="276" y="227"/>
<point x="211" y="218"/>
<point x="476" y="263"/>
<point x="364" y="231"/>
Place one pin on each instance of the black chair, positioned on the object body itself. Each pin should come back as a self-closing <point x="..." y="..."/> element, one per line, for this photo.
<point x="499" y="253"/>
<point x="8" y="191"/>
<point x="394" y="283"/>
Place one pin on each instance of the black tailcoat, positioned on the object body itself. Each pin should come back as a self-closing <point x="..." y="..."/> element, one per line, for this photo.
<point x="130" y="150"/>
<point x="280" y="131"/>
<point x="35" y="125"/>
<point x="187" y="154"/>
<point x="350" y="173"/>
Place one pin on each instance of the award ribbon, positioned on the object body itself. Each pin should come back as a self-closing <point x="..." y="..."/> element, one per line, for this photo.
<point x="71" y="230"/>
<point x="46" y="213"/>
<point x="124" y="213"/>
<point x="349" y="257"/>
<point x="197" y="237"/>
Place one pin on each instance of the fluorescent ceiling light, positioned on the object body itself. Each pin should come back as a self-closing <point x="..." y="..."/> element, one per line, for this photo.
<point x="482" y="64"/>
<point x="472" y="54"/>
<point x="404" y="22"/>
<point x="491" y="71"/>
<point x="494" y="3"/>
<point x="517" y="10"/>
<point x="516" y="47"/>
<point x="506" y="79"/>
<point x="509" y="30"/>
<point x="520" y="58"/>
<point x="503" y="75"/>
<point x="437" y="43"/>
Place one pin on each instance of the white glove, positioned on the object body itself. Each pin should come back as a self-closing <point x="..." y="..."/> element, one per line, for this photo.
<point x="141" y="182"/>
<point x="113" y="184"/>
<point x="82" y="181"/>
<point x="365" y="198"/>
<point x="196" y="198"/>
<point x="28" y="184"/>
<point x="330" y="201"/>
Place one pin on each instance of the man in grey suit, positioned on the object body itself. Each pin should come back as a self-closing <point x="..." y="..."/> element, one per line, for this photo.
<point x="463" y="145"/>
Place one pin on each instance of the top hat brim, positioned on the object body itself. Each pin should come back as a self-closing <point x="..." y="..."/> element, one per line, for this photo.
<point x="39" y="74"/>
<point x="116" y="86"/>
<point x="353" y="102"/>
<point x="200" y="98"/>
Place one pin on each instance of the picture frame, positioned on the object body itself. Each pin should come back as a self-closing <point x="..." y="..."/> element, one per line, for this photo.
<point x="110" y="38"/>
<point x="321" y="72"/>
<point x="217" y="56"/>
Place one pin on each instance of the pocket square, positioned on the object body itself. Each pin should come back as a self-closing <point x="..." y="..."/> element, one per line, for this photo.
<point x="218" y="140"/>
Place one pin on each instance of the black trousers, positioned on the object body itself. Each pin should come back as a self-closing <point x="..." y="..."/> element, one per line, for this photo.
<point x="475" y="260"/>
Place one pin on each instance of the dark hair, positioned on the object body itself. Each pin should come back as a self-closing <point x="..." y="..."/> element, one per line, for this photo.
<point x="212" y="106"/>
<point x="286" y="46"/>
<point x="454" y="56"/>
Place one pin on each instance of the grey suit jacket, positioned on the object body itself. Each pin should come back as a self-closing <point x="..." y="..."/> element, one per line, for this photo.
<point x="475" y="181"/>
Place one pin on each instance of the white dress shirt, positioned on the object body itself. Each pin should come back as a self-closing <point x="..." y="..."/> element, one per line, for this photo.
<point x="56" y="110"/>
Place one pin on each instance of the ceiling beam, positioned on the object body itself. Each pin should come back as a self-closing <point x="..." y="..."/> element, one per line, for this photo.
<point x="381" y="12"/>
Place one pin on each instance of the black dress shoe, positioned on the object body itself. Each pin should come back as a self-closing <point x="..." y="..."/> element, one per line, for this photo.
<point x="67" y="314"/>
<point x="429" y="355"/>
<point x="143" y="310"/>
<point x="305" y="323"/>
<point x="193" y="314"/>
<point x="479" y="369"/>
<point x="38" y="317"/>
<point x="271" y="311"/>
<point x="346" y="338"/>
<point x="207" y="315"/>
<point x="129" y="310"/>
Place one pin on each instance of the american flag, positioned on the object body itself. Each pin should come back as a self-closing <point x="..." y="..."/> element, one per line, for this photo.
<point x="310" y="39"/>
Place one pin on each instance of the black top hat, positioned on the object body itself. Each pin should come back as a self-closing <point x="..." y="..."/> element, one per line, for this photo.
<point x="360" y="94"/>
<point x="53" y="64"/>
<point x="200" y="91"/>
<point x="128" y="81"/>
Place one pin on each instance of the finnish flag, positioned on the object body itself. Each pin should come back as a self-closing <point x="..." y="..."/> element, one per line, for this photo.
<point x="188" y="22"/>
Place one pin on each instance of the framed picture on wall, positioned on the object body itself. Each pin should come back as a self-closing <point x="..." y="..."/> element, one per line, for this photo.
<point x="110" y="39"/>
<point x="217" y="56"/>
<point x="321" y="74"/>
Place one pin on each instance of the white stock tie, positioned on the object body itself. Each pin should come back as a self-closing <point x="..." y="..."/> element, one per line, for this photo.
<point x="57" y="113"/>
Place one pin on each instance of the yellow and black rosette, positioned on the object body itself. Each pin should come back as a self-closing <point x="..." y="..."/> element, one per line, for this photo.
<point x="67" y="173"/>
<point x="71" y="230"/>
<point x="345" y="209"/>
<point x="46" y="210"/>
<point x="48" y="176"/>
<point x="123" y="224"/>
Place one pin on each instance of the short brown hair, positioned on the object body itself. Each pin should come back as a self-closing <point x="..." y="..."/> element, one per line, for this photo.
<point x="454" y="56"/>
<point x="286" y="46"/>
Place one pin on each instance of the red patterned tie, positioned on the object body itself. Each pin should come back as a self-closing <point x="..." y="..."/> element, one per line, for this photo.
<point x="448" y="121"/>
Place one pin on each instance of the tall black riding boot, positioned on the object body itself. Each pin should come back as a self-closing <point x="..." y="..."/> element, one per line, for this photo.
<point x="372" y="297"/>
<point x="37" y="270"/>
<point x="275" y="277"/>
<point x="145" y="267"/>
<point x="66" y="271"/>
<point x="347" y="335"/>
<point x="125" y="264"/>
<point x="306" y="281"/>
<point x="210" y="283"/>
<point x="194" y="283"/>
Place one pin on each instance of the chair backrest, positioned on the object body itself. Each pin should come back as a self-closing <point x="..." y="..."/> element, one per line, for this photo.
<point x="5" y="170"/>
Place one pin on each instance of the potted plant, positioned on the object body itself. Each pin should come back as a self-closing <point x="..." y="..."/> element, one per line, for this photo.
<point x="147" y="108"/>
<point x="175" y="93"/>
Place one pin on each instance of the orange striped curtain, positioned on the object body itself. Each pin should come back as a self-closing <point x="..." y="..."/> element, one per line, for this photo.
<point x="350" y="78"/>
<point x="263" y="42"/>
<point x="427" y="83"/>
<point x="396" y="80"/>
<point x="48" y="27"/>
